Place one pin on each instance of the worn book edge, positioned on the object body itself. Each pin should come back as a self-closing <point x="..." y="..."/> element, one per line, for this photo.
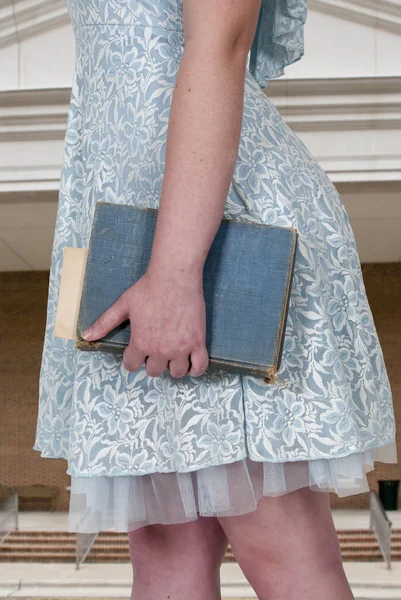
<point x="70" y="294"/>
<point x="268" y="373"/>
<point x="71" y="286"/>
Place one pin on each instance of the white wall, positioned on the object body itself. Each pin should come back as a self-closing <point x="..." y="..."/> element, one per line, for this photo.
<point x="336" y="47"/>
<point x="343" y="99"/>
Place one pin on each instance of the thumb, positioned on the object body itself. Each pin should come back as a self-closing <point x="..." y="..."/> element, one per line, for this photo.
<point x="113" y="316"/>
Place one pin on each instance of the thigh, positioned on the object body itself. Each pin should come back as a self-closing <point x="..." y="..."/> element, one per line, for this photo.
<point x="199" y="544"/>
<point x="295" y="529"/>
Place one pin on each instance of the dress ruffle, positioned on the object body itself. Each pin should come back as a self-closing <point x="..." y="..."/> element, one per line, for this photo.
<point x="126" y="503"/>
<point x="278" y="40"/>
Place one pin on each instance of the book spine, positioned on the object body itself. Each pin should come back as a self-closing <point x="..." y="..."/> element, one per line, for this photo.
<point x="268" y="373"/>
<point x="99" y="346"/>
<point x="286" y="303"/>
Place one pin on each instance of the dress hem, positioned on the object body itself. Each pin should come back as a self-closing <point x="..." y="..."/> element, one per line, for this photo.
<point x="249" y="455"/>
<point x="124" y="504"/>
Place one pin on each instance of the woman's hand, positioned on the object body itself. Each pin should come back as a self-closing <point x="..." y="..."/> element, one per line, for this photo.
<point x="168" y="325"/>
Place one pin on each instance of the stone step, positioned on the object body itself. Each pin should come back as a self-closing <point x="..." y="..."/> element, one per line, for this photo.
<point x="124" y="558"/>
<point x="56" y="533"/>
<point x="345" y="533"/>
<point x="59" y="546"/>
<point x="39" y="557"/>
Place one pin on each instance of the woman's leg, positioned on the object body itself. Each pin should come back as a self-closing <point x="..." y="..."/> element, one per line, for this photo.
<point x="288" y="548"/>
<point x="178" y="561"/>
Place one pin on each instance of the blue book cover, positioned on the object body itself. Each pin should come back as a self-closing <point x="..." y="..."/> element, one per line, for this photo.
<point x="246" y="280"/>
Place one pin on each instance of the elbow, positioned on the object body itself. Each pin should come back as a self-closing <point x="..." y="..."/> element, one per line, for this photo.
<point x="240" y="42"/>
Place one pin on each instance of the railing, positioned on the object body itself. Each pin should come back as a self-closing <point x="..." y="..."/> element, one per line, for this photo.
<point x="83" y="546"/>
<point x="381" y="526"/>
<point x="8" y="516"/>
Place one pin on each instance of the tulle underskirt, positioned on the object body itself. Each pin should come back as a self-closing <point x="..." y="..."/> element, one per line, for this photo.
<point x="126" y="503"/>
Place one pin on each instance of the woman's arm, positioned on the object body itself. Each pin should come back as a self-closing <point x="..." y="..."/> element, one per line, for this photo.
<point x="166" y="307"/>
<point x="203" y="133"/>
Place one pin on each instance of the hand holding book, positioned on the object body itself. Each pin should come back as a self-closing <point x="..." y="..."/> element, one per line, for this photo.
<point x="244" y="291"/>
<point x="168" y="325"/>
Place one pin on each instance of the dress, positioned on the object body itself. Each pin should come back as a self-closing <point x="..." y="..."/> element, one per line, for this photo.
<point x="143" y="449"/>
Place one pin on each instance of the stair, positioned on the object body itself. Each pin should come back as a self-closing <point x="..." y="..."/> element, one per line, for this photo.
<point x="38" y="546"/>
<point x="58" y="546"/>
<point x="361" y="545"/>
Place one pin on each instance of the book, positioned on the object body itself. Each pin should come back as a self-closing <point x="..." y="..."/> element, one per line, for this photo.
<point x="247" y="279"/>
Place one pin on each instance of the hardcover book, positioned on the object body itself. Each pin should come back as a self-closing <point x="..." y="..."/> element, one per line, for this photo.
<point x="247" y="279"/>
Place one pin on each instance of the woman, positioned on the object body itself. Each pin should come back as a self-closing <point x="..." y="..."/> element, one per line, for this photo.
<point x="167" y="111"/>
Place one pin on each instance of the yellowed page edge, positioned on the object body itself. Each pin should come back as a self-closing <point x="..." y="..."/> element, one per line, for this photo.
<point x="71" y="284"/>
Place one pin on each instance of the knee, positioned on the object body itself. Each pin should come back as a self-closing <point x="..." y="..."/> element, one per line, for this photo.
<point x="274" y="574"/>
<point x="155" y="549"/>
<point x="288" y="553"/>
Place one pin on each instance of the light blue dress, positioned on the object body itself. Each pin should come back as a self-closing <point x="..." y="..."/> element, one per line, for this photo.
<point x="146" y="449"/>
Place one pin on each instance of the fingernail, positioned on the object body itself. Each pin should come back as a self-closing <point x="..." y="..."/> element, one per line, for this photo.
<point x="87" y="333"/>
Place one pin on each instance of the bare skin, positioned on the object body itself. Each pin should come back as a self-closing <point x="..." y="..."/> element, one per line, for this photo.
<point x="178" y="562"/>
<point x="287" y="547"/>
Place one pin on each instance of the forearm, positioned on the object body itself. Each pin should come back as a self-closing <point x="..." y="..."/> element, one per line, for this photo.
<point x="202" y="145"/>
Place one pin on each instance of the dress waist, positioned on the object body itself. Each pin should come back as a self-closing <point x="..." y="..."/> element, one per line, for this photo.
<point x="161" y="15"/>
<point x="112" y="25"/>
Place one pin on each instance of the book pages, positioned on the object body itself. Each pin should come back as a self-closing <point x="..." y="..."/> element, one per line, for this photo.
<point x="71" y="284"/>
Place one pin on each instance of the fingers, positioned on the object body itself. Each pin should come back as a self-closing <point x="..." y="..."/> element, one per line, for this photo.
<point x="133" y="358"/>
<point x="113" y="316"/>
<point x="199" y="361"/>
<point x="178" y="366"/>
<point x="155" y="365"/>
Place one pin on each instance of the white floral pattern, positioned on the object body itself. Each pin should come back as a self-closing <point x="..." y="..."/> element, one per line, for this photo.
<point x="334" y="396"/>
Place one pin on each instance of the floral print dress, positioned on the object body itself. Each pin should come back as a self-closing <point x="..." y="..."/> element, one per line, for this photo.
<point x="146" y="449"/>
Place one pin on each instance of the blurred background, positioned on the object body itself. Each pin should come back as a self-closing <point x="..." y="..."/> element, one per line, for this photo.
<point x="344" y="101"/>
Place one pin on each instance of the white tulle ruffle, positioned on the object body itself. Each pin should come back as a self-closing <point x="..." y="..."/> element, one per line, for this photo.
<point x="126" y="503"/>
